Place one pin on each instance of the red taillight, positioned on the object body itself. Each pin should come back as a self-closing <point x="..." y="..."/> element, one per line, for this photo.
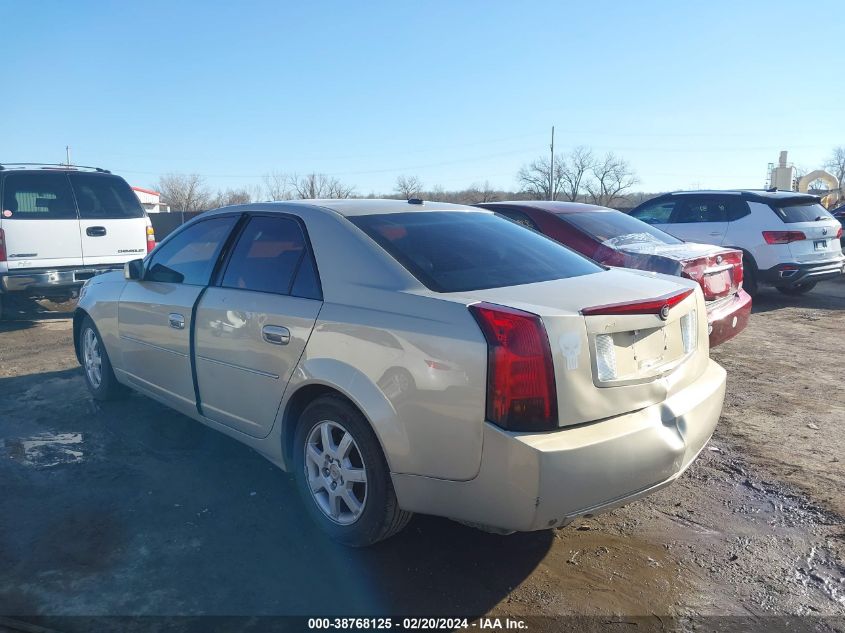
<point x="2" y="246"/>
<point x="521" y="392"/>
<point x="151" y="238"/>
<point x="783" y="237"/>
<point x="649" y="306"/>
<point x="839" y="233"/>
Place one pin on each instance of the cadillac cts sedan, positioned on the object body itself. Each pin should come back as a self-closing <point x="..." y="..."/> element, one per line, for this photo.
<point x="616" y="239"/>
<point x="404" y="357"/>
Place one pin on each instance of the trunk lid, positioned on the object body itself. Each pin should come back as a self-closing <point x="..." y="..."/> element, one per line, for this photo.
<point x="650" y="355"/>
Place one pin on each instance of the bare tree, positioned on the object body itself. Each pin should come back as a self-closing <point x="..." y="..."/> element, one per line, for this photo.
<point x="275" y="186"/>
<point x="231" y="196"/>
<point x="574" y="168"/>
<point x="480" y="193"/>
<point x="534" y="179"/>
<point x="184" y="192"/>
<point x="407" y="187"/>
<point x="610" y="177"/>
<point x="836" y="165"/>
<point x="315" y="185"/>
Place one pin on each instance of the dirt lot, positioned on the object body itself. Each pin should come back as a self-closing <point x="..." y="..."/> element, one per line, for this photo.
<point x="130" y="508"/>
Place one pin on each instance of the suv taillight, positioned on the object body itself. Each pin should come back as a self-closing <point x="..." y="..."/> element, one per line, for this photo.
<point x="151" y="238"/>
<point x="521" y="392"/>
<point x="783" y="237"/>
<point x="2" y="246"/>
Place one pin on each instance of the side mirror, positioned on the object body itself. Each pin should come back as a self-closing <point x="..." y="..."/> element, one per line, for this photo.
<point x="134" y="269"/>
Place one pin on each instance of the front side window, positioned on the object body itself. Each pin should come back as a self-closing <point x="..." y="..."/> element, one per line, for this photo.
<point x="268" y="256"/>
<point x="189" y="256"/>
<point x="463" y="251"/>
<point x="40" y="196"/>
<point x="655" y="212"/>
<point x="101" y="196"/>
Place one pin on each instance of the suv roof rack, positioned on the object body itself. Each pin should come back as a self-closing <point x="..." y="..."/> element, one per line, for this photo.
<point x="4" y="166"/>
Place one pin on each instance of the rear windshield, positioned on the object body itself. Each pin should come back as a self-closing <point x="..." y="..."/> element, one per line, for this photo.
<point x="102" y="197"/>
<point x="38" y="196"/>
<point x="802" y="213"/>
<point x="461" y="251"/>
<point x="614" y="228"/>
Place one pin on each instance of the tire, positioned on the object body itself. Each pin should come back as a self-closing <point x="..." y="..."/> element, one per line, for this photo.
<point x="800" y="289"/>
<point x="749" y="278"/>
<point x="96" y="366"/>
<point x="372" y="512"/>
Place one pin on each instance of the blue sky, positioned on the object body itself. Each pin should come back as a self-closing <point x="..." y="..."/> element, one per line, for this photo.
<point x="692" y="94"/>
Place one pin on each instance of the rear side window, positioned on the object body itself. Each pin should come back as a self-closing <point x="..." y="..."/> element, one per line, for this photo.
<point x="462" y="251"/>
<point x="655" y="212"/>
<point x="268" y="256"/>
<point x="40" y="196"/>
<point x="518" y="217"/>
<point x="102" y="197"/>
<point x="614" y="228"/>
<point x="189" y="256"/>
<point x="802" y="213"/>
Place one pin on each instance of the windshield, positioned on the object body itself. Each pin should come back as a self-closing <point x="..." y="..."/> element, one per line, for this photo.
<point x="462" y="251"/>
<point x="802" y="213"/>
<point x="615" y="229"/>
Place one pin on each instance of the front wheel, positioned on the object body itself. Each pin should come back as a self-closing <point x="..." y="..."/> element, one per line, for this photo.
<point x="342" y="475"/>
<point x="99" y="375"/>
<point x="800" y="289"/>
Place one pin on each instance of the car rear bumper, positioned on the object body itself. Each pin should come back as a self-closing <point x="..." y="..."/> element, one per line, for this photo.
<point x="790" y="275"/>
<point x="726" y="319"/>
<point x="41" y="280"/>
<point x="534" y="481"/>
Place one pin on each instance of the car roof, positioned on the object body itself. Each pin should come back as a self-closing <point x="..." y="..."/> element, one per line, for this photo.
<point x="762" y="195"/>
<point x="350" y="207"/>
<point x="556" y="207"/>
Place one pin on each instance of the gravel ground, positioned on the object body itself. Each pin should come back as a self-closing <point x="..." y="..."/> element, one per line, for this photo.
<point x="131" y="509"/>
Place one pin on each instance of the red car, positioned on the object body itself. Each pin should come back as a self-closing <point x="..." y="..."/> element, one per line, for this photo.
<point x="616" y="239"/>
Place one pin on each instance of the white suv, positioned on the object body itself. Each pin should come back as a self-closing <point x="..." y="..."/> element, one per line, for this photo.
<point x="60" y="226"/>
<point x="788" y="239"/>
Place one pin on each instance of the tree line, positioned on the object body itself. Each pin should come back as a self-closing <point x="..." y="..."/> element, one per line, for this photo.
<point x="579" y="175"/>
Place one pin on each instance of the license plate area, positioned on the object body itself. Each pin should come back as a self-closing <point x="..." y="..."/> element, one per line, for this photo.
<point x="717" y="284"/>
<point x="83" y="275"/>
<point x="820" y="245"/>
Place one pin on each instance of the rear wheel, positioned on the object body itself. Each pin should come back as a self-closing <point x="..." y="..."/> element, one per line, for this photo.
<point x="749" y="277"/>
<point x="800" y="289"/>
<point x="342" y="475"/>
<point x="99" y="375"/>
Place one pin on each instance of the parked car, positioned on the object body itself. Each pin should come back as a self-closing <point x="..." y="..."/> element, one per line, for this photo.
<point x="839" y="214"/>
<point x="61" y="225"/>
<point x="616" y="239"/>
<point x="789" y="240"/>
<point x="552" y="388"/>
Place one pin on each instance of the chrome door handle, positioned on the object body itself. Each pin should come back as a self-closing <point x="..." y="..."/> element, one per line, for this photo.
<point x="177" y="321"/>
<point x="275" y="334"/>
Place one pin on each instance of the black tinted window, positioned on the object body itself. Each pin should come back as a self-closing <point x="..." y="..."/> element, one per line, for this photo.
<point x="104" y="197"/>
<point x="614" y="228"/>
<point x="41" y="196"/>
<point x="655" y="212"/>
<point x="307" y="283"/>
<point x="695" y="210"/>
<point x="458" y="251"/>
<point x="267" y="256"/>
<point x="802" y="213"/>
<point x="189" y="256"/>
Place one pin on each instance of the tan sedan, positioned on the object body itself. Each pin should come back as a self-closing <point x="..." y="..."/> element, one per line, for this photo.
<point x="405" y="357"/>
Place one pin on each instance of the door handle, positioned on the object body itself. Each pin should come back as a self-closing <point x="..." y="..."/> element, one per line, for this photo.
<point x="177" y="321"/>
<point x="95" y="231"/>
<point x="275" y="334"/>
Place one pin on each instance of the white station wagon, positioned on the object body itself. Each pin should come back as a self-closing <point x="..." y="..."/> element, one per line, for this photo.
<point x="405" y="357"/>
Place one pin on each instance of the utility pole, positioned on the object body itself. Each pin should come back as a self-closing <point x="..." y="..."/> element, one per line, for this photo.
<point x="552" y="167"/>
<point x="67" y="155"/>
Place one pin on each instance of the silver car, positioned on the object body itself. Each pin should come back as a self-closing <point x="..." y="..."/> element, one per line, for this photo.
<point x="405" y="357"/>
